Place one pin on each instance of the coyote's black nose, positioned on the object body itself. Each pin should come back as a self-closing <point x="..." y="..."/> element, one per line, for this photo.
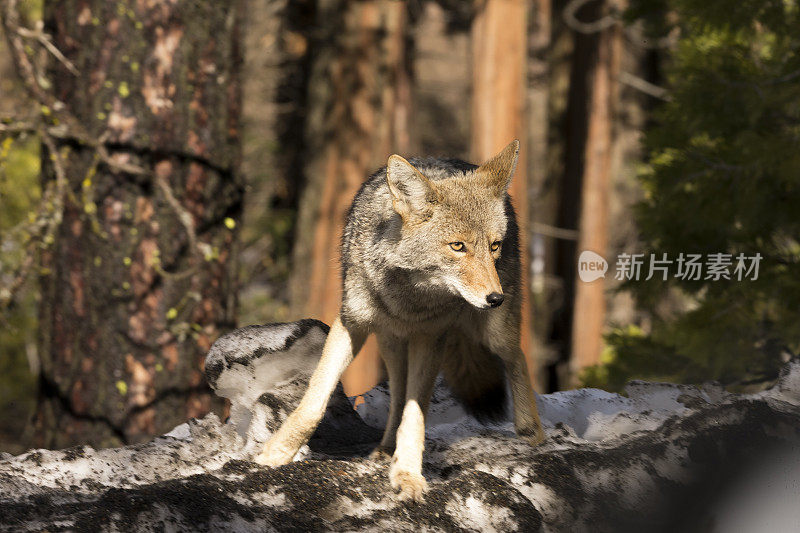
<point x="495" y="299"/>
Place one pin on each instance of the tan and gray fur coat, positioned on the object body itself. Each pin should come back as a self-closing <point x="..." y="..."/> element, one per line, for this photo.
<point x="431" y="266"/>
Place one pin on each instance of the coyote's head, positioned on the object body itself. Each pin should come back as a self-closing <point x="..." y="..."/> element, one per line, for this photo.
<point x="453" y="229"/>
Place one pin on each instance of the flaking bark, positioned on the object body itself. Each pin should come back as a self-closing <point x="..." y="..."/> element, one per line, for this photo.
<point x="129" y="307"/>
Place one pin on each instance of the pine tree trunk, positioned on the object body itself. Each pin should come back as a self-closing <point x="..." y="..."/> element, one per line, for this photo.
<point x="499" y="54"/>
<point x="357" y="117"/>
<point x="128" y="309"/>
<point x="590" y="303"/>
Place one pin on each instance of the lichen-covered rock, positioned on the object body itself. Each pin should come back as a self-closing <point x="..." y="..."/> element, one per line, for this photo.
<point x="662" y="458"/>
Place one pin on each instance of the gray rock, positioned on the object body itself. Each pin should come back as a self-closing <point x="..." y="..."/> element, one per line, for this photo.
<point x="263" y="371"/>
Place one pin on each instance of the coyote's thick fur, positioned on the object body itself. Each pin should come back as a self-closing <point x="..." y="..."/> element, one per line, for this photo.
<point x="430" y="251"/>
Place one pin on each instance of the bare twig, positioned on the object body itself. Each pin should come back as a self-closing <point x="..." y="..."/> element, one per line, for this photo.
<point x="22" y="63"/>
<point x="8" y="292"/>
<point x="184" y="216"/>
<point x="570" y="18"/>
<point x="783" y="79"/>
<point x="636" y="36"/>
<point x="100" y="147"/>
<point x="634" y="32"/>
<point x="552" y="231"/>
<point x="644" y="86"/>
<point x="17" y="128"/>
<point x="47" y="41"/>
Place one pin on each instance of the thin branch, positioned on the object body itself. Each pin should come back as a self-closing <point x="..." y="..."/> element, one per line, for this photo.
<point x="636" y="36"/>
<point x="63" y="134"/>
<point x="24" y="67"/>
<point x="640" y="84"/>
<point x="547" y="230"/>
<point x="184" y="216"/>
<point x="47" y="41"/>
<point x="569" y="15"/>
<point x="18" y="279"/>
<point x="783" y="79"/>
<point x="30" y="79"/>
<point x="17" y="128"/>
<point x="99" y="145"/>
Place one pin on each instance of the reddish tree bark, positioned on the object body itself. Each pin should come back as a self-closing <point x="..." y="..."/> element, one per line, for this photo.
<point x="499" y="56"/>
<point x="358" y="116"/>
<point x="128" y="308"/>
<point x="590" y="300"/>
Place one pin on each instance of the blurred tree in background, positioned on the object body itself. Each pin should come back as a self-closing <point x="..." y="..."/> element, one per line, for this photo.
<point x="722" y="176"/>
<point x="584" y="183"/>
<point x="357" y="115"/>
<point x="277" y="52"/>
<point x="499" y="81"/>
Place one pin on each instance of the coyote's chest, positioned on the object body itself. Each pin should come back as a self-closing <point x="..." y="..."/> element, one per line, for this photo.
<point x="405" y="309"/>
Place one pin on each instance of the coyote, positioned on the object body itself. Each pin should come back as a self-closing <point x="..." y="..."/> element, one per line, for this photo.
<point x="430" y="264"/>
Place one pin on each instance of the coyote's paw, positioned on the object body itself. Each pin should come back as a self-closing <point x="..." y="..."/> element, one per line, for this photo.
<point x="274" y="454"/>
<point x="411" y="486"/>
<point x="381" y="454"/>
<point x="534" y="435"/>
<point x="538" y="436"/>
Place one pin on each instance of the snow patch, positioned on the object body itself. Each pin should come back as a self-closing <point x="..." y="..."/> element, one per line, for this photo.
<point x="604" y="451"/>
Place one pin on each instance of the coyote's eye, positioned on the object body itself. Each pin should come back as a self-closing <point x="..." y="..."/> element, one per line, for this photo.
<point x="458" y="246"/>
<point x="495" y="246"/>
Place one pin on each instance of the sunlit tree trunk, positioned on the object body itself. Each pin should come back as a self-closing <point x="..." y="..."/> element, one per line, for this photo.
<point x="590" y="303"/>
<point x="128" y="307"/>
<point x="357" y="117"/>
<point x="499" y="54"/>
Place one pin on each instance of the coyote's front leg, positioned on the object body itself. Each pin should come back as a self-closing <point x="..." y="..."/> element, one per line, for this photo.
<point x="405" y="474"/>
<point x="394" y="353"/>
<point x="501" y="336"/>
<point x="526" y="414"/>
<point x="340" y="347"/>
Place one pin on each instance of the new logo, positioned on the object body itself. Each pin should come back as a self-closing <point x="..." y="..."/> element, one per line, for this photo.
<point x="591" y="266"/>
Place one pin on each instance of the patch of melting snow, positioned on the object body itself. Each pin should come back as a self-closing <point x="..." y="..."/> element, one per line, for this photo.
<point x="591" y="414"/>
<point x="180" y="432"/>
<point x="590" y="421"/>
<point x="482" y="516"/>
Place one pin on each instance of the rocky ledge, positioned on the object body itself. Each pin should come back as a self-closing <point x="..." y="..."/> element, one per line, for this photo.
<point x="662" y="457"/>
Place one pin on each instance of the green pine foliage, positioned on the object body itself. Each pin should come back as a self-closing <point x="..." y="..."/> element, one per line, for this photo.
<point x="722" y="175"/>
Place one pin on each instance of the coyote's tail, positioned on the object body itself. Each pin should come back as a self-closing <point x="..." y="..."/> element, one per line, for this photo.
<point x="476" y="377"/>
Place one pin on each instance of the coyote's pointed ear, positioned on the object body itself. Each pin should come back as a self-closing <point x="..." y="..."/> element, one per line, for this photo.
<point x="497" y="171"/>
<point x="412" y="193"/>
